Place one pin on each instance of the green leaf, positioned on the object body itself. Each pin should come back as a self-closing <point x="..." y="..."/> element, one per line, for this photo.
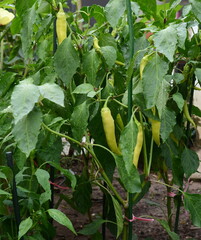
<point x="190" y="161"/>
<point x="181" y="34"/>
<point x="114" y="11"/>
<point x="26" y="131"/>
<point x="148" y="7"/>
<point x="168" y="121"/>
<point x="152" y="78"/>
<point x="119" y="216"/>
<point x="66" y="61"/>
<point x="196" y="111"/>
<point x="178" y="98"/>
<point x="2" y="192"/>
<point x="83" y="88"/>
<point x="91" y="62"/>
<point x="23" y="99"/>
<point x="24" y="227"/>
<point x="192" y="203"/>
<point x="6" y="80"/>
<point x="92" y="227"/>
<point x="165" y="225"/>
<point x="65" y="172"/>
<point x="196" y="8"/>
<point x="110" y="55"/>
<point x="43" y="178"/>
<point x="165" y="42"/>
<point x="22" y="6"/>
<point x="163" y="96"/>
<point x="28" y="21"/>
<point x="130" y="179"/>
<point x="127" y="142"/>
<point x="79" y="120"/>
<point x="52" y="92"/>
<point x="61" y="218"/>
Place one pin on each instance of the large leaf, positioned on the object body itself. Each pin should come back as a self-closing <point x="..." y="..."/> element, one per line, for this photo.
<point x="168" y="121"/>
<point x="196" y="8"/>
<point x="148" y="7"/>
<point x="52" y="92"/>
<point x="43" y="179"/>
<point x="130" y="179"/>
<point x="91" y="62"/>
<point x="22" y="6"/>
<point x="110" y="55"/>
<point x="79" y="120"/>
<point x="27" y="32"/>
<point x="152" y="78"/>
<point x="66" y="61"/>
<point x="23" y="99"/>
<point x="26" y="131"/>
<point x="165" y="42"/>
<point x="24" y="227"/>
<point x="114" y="11"/>
<point x="61" y="218"/>
<point x="190" y="161"/>
<point x="192" y="203"/>
<point x="181" y="34"/>
<point x="127" y="143"/>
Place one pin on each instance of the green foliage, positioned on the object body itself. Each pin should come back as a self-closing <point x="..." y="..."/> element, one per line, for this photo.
<point x="50" y="93"/>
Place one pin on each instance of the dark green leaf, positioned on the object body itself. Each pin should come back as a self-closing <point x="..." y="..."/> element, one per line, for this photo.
<point x="66" y="61"/>
<point x="178" y="98"/>
<point x="196" y="111"/>
<point x="92" y="228"/>
<point x="6" y="80"/>
<point x="190" y="161"/>
<point x="148" y="7"/>
<point x="91" y="62"/>
<point x="119" y="216"/>
<point x="61" y="218"/>
<point x="110" y="55"/>
<point x="79" y="120"/>
<point x="192" y="203"/>
<point x="168" y="121"/>
<point x="24" y="227"/>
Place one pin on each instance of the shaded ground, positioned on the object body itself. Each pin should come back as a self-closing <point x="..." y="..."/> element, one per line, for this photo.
<point x="153" y="204"/>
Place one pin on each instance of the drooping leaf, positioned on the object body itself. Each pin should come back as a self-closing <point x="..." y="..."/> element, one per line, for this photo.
<point x="66" y="61"/>
<point x="28" y="21"/>
<point x="109" y="54"/>
<point x="181" y="34"/>
<point x="79" y="120"/>
<point x="24" y="227"/>
<point x="91" y="62"/>
<point x="61" y="218"/>
<point x="153" y="75"/>
<point x="165" y="42"/>
<point x="23" y="99"/>
<point x="52" y="92"/>
<point x="192" y="203"/>
<point x="114" y="11"/>
<point x="26" y="131"/>
<point x="178" y="98"/>
<point x="190" y="161"/>
<point x="162" y="96"/>
<point x="130" y="179"/>
<point x="119" y="216"/>
<point x="127" y="143"/>
<point x="92" y="227"/>
<point x="168" y="121"/>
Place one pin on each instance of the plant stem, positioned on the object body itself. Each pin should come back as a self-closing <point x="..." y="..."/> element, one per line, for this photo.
<point x="2" y="52"/>
<point x="129" y="213"/>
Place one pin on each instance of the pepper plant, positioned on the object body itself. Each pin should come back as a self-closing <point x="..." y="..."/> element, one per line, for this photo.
<point x="137" y="59"/>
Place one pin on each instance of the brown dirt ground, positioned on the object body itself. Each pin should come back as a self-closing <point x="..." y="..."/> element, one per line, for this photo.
<point x="153" y="204"/>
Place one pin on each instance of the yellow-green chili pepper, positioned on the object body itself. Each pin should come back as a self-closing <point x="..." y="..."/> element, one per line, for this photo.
<point x="139" y="143"/>
<point x="61" y="25"/>
<point x="109" y="129"/>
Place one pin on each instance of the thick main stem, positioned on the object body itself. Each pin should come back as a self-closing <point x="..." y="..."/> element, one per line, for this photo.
<point x="129" y="213"/>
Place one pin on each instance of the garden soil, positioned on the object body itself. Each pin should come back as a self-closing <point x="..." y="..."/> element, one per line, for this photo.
<point x="153" y="204"/>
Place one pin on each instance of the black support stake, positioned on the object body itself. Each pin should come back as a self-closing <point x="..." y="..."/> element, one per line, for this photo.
<point x="9" y="157"/>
